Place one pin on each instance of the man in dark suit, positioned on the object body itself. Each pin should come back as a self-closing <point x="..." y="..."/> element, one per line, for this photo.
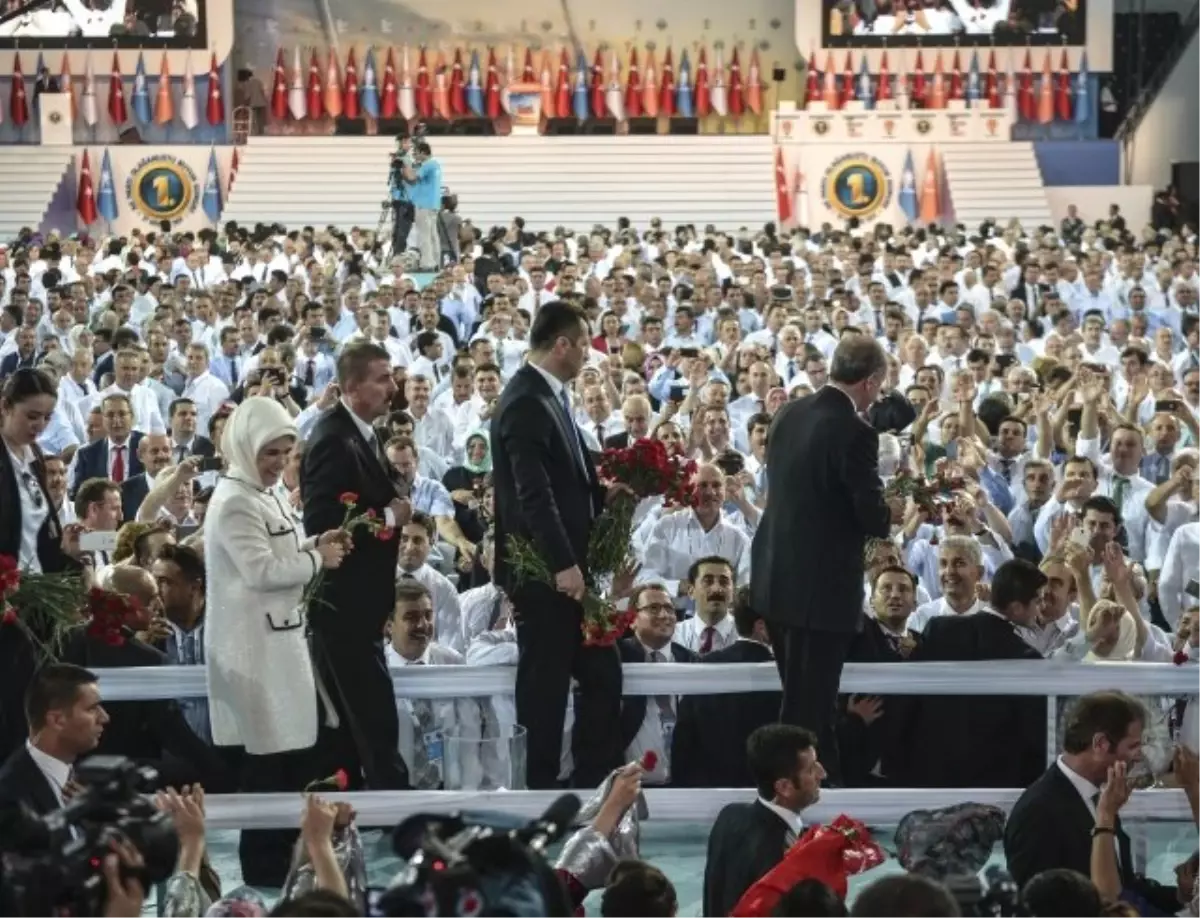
<point x="66" y="721"/>
<point x="92" y="461"/>
<point x="807" y="557"/>
<point x="181" y="422"/>
<point x="154" y="454"/>
<point x="1053" y="822"/>
<point x="548" y="494"/>
<point x="748" y="839"/>
<point x="344" y="457"/>
<point x="709" y="743"/>
<point x="25" y="356"/>
<point x="945" y="735"/>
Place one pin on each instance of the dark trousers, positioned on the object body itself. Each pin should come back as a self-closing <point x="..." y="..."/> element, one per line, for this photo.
<point x="810" y="668"/>
<point x="552" y="651"/>
<point x="403" y="215"/>
<point x="367" y="740"/>
<point x="266" y="854"/>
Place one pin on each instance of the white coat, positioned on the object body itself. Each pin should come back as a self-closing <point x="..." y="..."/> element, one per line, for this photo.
<point x="261" y="688"/>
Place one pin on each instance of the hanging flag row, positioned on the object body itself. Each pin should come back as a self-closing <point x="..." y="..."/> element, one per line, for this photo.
<point x="94" y="205"/>
<point x="143" y="106"/>
<point x="427" y="84"/>
<point x="1060" y="94"/>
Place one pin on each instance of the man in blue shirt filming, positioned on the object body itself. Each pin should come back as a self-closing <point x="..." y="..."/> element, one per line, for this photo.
<point x="425" y="191"/>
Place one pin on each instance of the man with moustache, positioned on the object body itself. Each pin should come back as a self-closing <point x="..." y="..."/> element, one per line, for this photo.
<point x="712" y="627"/>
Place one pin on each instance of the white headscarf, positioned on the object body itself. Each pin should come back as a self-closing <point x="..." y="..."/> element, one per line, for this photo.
<point x="254" y="423"/>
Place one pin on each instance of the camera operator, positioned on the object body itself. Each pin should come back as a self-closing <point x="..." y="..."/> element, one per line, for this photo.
<point x="425" y="191"/>
<point x="400" y="175"/>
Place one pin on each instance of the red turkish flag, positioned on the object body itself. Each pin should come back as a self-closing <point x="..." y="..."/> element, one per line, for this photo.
<point x="421" y="90"/>
<point x="885" y="80"/>
<point x="736" y="92"/>
<point x="1062" y="89"/>
<point x="350" y="88"/>
<point x="812" y="85"/>
<point x="458" y="82"/>
<point x="991" y="83"/>
<point x="596" y="90"/>
<point x="666" y="91"/>
<point x="85" y="203"/>
<point x="702" y="99"/>
<point x="783" y="194"/>
<point x="562" y="89"/>
<point x="387" y="100"/>
<point x="849" y="84"/>
<point x="316" y="89"/>
<point x="492" y="88"/>
<point x="956" y="78"/>
<point x="18" y="105"/>
<point x="919" y="91"/>
<point x="116" y="95"/>
<point x="633" y="88"/>
<point x="279" y="89"/>
<point x="528" y="74"/>
<point x="215" y="107"/>
<point x="1026" y="103"/>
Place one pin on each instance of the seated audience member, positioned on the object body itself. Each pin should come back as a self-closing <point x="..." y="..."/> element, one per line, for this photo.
<point x="810" y="898"/>
<point x="648" y="722"/>
<point x="748" y="839"/>
<point x="179" y="572"/>
<point x="138" y="544"/>
<point x="637" y="889"/>
<point x="1060" y="891"/>
<point x="154" y="451"/>
<point x="711" y="586"/>
<point x="98" y="508"/>
<point x="416" y="541"/>
<point x="426" y="722"/>
<point x="907" y="895"/>
<point x="709" y="742"/>
<point x="66" y="722"/>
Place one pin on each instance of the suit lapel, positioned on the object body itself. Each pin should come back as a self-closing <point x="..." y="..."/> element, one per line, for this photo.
<point x="371" y="460"/>
<point x="568" y="431"/>
<point x="39" y="786"/>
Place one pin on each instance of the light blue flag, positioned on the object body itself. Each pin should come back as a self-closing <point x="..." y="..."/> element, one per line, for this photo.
<point x="865" y="91"/>
<point x="140" y="98"/>
<point x="37" y="73"/>
<point x="579" y="94"/>
<point x="907" y="199"/>
<point x="1083" y="99"/>
<point x="683" y="88"/>
<point x="974" y="87"/>
<point x="368" y="96"/>
<point x="474" y="86"/>
<point x="212" y="189"/>
<point x="106" y="200"/>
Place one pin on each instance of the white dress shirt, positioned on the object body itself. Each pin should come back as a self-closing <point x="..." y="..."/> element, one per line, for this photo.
<point x="793" y="821"/>
<point x="1177" y="583"/>
<point x="208" y="393"/>
<point x="689" y="633"/>
<point x="147" y="418"/>
<point x="939" y="607"/>
<point x="34" y="508"/>
<point x="676" y="540"/>
<point x="447" y="613"/>
<point x="57" y="772"/>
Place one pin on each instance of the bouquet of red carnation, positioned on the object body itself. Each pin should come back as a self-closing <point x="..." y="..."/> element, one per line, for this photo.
<point x="829" y="853"/>
<point x="111" y="616"/>
<point x="44" y="606"/>
<point x="931" y="495"/>
<point x="369" y="520"/>
<point x="643" y="469"/>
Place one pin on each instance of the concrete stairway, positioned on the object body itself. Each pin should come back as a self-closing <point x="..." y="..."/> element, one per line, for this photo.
<point x="29" y="177"/>
<point x="995" y="180"/>
<point x="550" y="181"/>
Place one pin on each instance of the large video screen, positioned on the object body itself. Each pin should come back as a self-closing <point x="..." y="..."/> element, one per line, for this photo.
<point x="934" y="23"/>
<point x="102" y="23"/>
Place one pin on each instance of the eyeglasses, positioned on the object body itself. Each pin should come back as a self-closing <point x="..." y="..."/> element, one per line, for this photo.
<point x="658" y="608"/>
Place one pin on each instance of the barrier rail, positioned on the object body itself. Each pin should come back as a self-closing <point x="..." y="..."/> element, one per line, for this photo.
<point x="992" y="677"/>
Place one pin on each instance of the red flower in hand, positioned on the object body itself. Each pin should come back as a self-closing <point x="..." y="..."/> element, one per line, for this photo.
<point x="1181" y="657"/>
<point x="9" y="617"/>
<point x="649" y="760"/>
<point x="385" y="534"/>
<point x="348" y="498"/>
<point x="341" y="779"/>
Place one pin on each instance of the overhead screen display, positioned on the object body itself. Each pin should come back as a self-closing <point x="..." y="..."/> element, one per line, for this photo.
<point x="102" y="23"/>
<point x="942" y="23"/>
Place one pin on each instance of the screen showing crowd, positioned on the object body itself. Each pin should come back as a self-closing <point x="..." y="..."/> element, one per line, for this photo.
<point x="135" y="20"/>
<point x="990" y="21"/>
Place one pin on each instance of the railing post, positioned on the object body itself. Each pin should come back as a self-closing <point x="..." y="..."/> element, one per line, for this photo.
<point x="1051" y="729"/>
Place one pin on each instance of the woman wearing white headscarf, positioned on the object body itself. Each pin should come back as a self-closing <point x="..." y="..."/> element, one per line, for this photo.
<point x="261" y="688"/>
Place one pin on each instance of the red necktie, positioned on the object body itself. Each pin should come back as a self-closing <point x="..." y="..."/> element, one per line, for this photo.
<point x="118" y="469"/>
<point x="706" y="639"/>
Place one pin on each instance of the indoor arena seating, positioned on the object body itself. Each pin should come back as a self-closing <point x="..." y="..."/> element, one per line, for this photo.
<point x="577" y="181"/>
<point x="679" y="819"/>
<point x="28" y="182"/>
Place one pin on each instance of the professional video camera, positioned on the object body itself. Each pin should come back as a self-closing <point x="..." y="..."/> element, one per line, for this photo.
<point x="995" y="893"/>
<point x="53" y="865"/>
<point x="478" y="864"/>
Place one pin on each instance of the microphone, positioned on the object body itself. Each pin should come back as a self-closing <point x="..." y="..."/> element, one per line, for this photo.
<point x="552" y="824"/>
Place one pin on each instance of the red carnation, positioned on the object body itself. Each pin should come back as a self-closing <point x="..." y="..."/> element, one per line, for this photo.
<point x="649" y="760"/>
<point x="1181" y="657"/>
<point x="341" y="779"/>
<point x="9" y="617"/>
<point x="8" y="563"/>
<point x="348" y="498"/>
<point x="370" y="514"/>
<point x="385" y="534"/>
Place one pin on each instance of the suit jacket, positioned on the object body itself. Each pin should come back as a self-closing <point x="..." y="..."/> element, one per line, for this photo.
<point x="13" y="362"/>
<point x="822" y="467"/>
<point x="50" y="552"/>
<point x="633" y="707"/>
<point x="338" y="460"/>
<point x="23" y="784"/>
<point x="708" y="747"/>
<point x="1050" y="826"/>
<point x="543" y="493"/>
<point x="91" y="461"/>
<point x="617" y="441"/>
<point x="944" y="734"/>
<point x="133" y="492"/>
<point x="104" y="364"/>
<point x="202" y="446"/>
<point x="746" y="841"/>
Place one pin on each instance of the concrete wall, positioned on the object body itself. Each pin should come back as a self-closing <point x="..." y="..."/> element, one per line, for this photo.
<point x="1170" y="132"/>
<point x="1093" y="202"/>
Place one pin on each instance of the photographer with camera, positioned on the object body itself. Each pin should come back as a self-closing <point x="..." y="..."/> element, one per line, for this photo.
<point x="400" y="175"/>
<point x="425" y="191"/>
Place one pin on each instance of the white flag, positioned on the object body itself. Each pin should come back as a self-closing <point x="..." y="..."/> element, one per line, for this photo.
<point x="297" y="103"/>
<point x="405" y="99"/>
<point x="87" y="103"/>
<point x="187" y="107"/>
<point x="614" y="96"/>
<point x="718" y="95"/>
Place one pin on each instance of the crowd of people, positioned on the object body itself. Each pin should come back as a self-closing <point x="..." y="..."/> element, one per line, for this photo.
<point x="183" y="415"/>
